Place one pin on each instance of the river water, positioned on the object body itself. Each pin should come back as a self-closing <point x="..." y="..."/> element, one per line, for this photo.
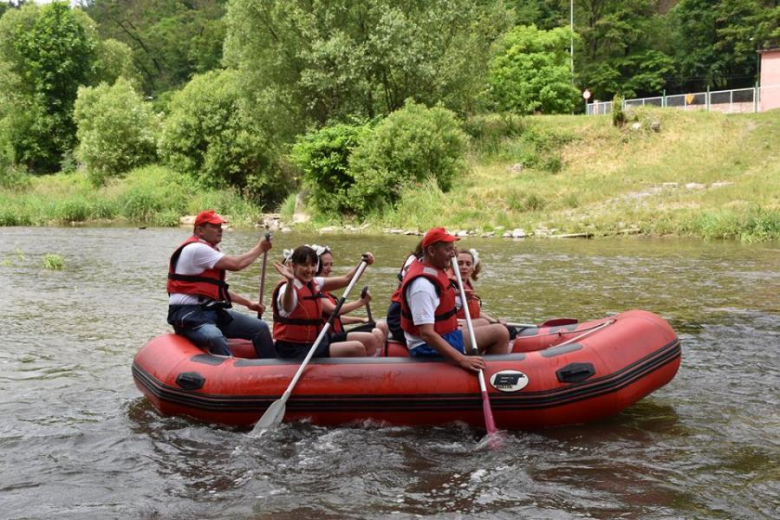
<point x="77" y="439"/>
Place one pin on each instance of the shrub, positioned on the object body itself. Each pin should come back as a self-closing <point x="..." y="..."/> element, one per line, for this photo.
<point x="116" y="129"/>
<point x="410" y="145"/>
<point x="323" y="156"/>
<point x="210" y="135"/>
<point x="618" y="114"/>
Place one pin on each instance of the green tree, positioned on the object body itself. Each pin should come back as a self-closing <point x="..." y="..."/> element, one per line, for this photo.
<point x="409" y="146"/>
<point x="530" y="72"/>
<point x="209" y="135"/>
<point x="116" y="130"/>
<point x="48" y="53"/>
<point x="326" y="60"/>
<point x="717" y="41"/>
<point x="170" y="40"/>
<point x="323" y="156"/>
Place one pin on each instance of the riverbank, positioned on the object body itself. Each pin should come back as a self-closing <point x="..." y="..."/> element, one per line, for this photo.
<point x="667" y="172"/>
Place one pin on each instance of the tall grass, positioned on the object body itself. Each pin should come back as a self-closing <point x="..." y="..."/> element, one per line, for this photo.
<point x="152" y="195"/>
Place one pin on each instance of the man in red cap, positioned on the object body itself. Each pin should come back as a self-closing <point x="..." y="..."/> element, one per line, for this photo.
<point x="429" y="314"/>
<point x="199" y="298"/>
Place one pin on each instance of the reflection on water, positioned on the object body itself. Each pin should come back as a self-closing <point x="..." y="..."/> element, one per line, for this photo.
<point x="78" y="441"/>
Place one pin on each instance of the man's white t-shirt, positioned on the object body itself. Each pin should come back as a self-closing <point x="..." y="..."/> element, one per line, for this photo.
<point x="319" y="281"/>
<point x="423" y="302"/>
<point x="194" y="259"/>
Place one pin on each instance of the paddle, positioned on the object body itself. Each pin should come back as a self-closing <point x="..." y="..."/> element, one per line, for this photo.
<point x="275" y="413"/>
<point x="488" y="412"/>
<point x="262" y="276"/>
<point x="368" y="304"/>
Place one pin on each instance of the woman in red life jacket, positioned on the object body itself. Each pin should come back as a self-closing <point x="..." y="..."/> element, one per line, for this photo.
<point x="297" y="308"/>
<point x="470" y="267"/>
<point x="371" y="335"/>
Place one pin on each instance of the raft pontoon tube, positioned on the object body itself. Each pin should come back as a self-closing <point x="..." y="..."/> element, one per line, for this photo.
<point x="554" y="376"/>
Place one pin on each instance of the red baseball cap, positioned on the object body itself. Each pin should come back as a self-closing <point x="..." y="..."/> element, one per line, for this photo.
<point x="208" y="216"/>
<point x="437" y="234"/>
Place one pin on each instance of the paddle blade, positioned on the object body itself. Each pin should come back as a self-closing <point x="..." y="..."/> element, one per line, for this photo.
<point x="490" y="423"/>
<point x="272" y="416"/>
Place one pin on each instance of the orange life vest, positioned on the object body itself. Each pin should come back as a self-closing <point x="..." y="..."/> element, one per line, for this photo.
<point x="475" y="304"/>
<point x="305" y="322"/>
<point x="210" y="283"/>
<point x="396" y="297"/>
<point x="445" y="315"/>
<point x="337" y="325"/>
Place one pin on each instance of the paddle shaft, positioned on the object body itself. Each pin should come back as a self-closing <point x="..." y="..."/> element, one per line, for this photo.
<point x="262" y="277"/>
<point x="275" y="412"/>
<point x="489" y="422"/>
<point x="368" y="304"/>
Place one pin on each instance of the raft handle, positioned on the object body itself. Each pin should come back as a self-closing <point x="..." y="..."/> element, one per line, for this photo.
<point x="190" y="380"/>
<point x="575" y="372"/>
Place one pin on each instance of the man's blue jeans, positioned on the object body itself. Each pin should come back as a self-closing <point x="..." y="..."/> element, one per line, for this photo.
<point x="210" y="329"/>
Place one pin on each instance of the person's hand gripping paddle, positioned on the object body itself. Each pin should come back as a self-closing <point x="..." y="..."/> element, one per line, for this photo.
<point x="490" y="424"/>
<point x="262" y="277"/>
<point x="275" y="413"/>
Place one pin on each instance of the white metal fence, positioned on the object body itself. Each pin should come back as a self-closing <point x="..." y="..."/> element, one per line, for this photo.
<point x="728" y="101"/>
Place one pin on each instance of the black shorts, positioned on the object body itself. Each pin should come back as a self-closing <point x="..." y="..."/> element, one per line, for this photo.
<point x="337" y="337"/>
<point x="290" y="350"/>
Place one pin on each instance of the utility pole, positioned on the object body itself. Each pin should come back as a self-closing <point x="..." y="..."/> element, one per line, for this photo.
<point x="571" y="45"/>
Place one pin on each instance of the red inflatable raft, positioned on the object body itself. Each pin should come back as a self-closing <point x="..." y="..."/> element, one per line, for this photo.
<point x="554" y="376"/>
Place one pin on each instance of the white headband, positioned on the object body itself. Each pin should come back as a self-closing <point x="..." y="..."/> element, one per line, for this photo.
<point x="320" y="250"/>
<point x="475" y="256"/>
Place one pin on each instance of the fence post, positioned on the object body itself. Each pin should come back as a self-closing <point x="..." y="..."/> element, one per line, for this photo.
<point x="731" y="101"/>
<point x="707" y="102"/>
<point x="755" y="98"/>
<point x="663" y="99"/>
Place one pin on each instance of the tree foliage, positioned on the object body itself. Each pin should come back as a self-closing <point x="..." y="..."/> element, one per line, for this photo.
<point x="209" y="135"/>
<point x="48" y="53"/>
<point x="323" y="156"/>
<point x="409" y="146"/>
<point x="116" y="130"/>
<point x="170" y="40"/>
<point x="331" y="60"/>
<point x="530" y="72"/>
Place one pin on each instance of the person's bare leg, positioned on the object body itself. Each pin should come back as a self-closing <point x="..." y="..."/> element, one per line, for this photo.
<point x="368" y="339"/>
<point x="477" y="322"/>
<point x="491" y="339"/>
<point x="347" y="349"/>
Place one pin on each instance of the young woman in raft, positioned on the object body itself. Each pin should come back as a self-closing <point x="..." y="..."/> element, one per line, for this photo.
<point x="371" y="335"/>
<point x="470" y="267"/>
<point x="297" y="308"/>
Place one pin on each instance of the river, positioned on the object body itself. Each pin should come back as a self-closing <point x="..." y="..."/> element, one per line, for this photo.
<point x="78" y="441"/>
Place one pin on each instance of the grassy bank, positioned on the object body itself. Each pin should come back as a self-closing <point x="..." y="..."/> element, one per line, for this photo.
<point x="152" y="195"/>
<point x="700" y="174"/>
<point x="681" y="173"/>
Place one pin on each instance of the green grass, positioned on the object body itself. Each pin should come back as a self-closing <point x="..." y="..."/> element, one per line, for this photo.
<point x="152" y="195"/>
<point x="53" y="262"/>
<point x="610" y="179"/>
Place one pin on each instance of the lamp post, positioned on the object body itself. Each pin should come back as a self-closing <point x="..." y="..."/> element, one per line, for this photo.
<point x="571" y="44"/>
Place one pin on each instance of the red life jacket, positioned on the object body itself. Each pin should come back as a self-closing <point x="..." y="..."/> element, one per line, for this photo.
<point x="445" y="319"/>
<point x="305" y="322"/>
<point x="209" y="284"/>
<point x="475" y="304"/>
<point x="337" y="325"/>
<point x="396" y="297"/>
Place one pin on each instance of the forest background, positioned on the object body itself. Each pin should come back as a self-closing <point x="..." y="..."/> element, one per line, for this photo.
<point x="384" y="112"/>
